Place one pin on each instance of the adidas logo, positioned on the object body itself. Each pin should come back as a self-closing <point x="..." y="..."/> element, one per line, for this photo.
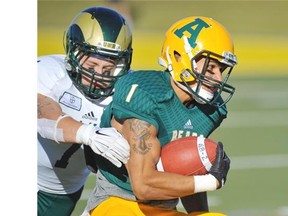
<point x="188" y="125"/>
<point x="90" y="116"/>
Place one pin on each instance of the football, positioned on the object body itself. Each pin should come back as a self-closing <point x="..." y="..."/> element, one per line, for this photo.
<point x="188" y="156"/>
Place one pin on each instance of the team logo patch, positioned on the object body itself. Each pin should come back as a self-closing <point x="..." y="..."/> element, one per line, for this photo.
<point x="71" y="101"/>
<point x="192" y="31"/>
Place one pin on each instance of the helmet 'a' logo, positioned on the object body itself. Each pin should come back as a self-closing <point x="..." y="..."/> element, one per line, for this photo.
<point x="193" y="29"/>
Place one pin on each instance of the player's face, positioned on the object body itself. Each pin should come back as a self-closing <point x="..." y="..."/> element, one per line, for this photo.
<point x="100" y="68"/>
<point x="213" y="70"/>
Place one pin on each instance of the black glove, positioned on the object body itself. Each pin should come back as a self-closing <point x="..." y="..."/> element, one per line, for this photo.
<point x="220" y="166"/>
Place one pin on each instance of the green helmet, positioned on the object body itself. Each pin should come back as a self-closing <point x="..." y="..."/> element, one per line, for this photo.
<point x="103" y="33"/>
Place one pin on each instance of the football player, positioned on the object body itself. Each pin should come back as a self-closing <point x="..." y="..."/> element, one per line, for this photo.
<point x="152" y="108"/>
<point x="73" y="90"/>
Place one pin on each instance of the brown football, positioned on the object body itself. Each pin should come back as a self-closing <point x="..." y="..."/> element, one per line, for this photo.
<point x="188" y="156"/>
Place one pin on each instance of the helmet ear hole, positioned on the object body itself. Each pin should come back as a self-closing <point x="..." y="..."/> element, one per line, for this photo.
<point x="177" y="56"/>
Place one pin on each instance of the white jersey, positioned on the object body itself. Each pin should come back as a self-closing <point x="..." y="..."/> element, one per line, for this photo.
<point x="61" y="169"/>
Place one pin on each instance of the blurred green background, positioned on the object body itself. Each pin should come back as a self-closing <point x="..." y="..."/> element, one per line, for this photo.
<point x="255" y="132"/>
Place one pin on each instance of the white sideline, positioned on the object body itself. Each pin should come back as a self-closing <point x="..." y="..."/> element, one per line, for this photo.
<point x="259" y="161"/>
<point x="259" y="118"/>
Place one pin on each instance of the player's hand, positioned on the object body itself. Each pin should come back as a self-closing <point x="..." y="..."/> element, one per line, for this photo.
<point x="106" y="142"/>
<point x="221" y="165"/>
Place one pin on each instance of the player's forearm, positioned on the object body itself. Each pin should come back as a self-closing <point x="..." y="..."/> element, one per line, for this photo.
<point x="53" y="123"/>
<point x="70" y="128"/>
<point x="47" y="108"/>
<point x="162" y="186"/>
<point x="155" y="185"/>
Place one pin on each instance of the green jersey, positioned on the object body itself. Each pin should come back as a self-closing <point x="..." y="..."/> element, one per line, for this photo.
<point x="149" y="96"/>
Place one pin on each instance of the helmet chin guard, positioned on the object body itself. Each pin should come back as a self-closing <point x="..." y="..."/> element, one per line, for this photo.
<point x="202" y="93"/>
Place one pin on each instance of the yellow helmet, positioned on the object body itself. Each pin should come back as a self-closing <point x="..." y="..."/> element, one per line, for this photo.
<point x="191" y="38"/>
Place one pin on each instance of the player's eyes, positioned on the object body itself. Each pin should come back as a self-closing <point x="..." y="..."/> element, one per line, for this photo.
<point x="107" y="72"/>
<point x="210" y="68"/>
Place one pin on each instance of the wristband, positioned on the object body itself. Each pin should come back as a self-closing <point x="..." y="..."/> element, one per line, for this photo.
<point x="204" y="183"/>
<point x="58" y="133"/>
<point x="83" y="133"/>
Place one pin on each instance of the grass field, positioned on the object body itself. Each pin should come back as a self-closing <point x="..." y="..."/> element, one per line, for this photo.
<point x="255" y="133"/>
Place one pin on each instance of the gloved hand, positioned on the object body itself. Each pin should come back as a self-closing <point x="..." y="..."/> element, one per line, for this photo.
<point x="106" y="142"/>
<point x="220" y="166"/>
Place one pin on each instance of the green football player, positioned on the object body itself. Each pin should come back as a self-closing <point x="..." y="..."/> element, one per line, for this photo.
<point x="152" y="108"/>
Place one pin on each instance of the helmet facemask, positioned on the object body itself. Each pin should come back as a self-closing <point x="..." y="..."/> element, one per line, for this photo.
<point x="95" y="84"/>
<point x="219" y="88"/>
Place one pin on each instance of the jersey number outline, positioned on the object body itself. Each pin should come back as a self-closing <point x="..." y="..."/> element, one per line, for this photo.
<point x="63" y="162"/>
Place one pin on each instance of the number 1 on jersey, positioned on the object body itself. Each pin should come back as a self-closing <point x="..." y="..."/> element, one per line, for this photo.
<point x="131" y="92"/>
